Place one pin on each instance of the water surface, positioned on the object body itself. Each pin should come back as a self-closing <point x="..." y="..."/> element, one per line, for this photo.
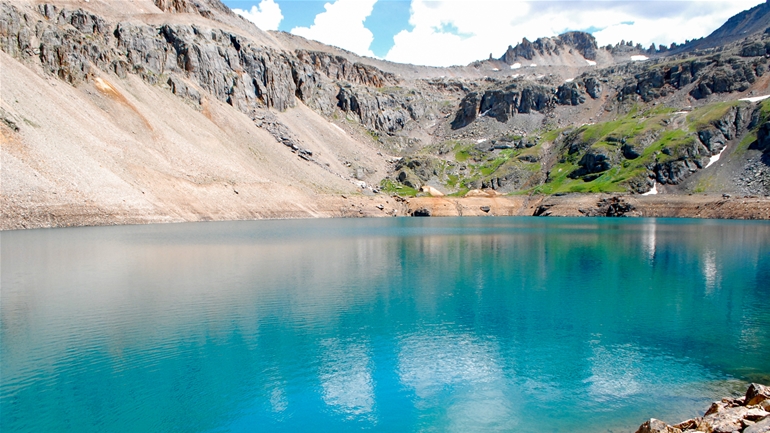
<point x="455" y="324"/>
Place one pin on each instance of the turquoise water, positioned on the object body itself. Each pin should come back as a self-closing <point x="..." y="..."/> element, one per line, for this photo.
<point x="488" y="324"/>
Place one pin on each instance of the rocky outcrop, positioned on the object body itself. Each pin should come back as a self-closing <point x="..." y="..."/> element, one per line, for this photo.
<point x="609" y="207"/>
<point x="747" y="414"/>
<point x="570" y="94"/>
<point x="201" y="7"/>
<point x="384" y="111"/>
<point x="593" y="162"/>
<point x="582" y="42"/>
<point x="763" y="137"/>
<point x="710" y="75"/>
<point x="692" y="155"/>
<point x="190" y="60"/>
<point x="339" y="68"/>
<point x="503" y="103"/>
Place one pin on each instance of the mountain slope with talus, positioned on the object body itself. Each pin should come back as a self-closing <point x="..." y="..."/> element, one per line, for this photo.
<point x="180" y="110"/>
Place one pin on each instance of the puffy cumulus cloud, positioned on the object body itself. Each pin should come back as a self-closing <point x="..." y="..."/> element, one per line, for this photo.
<point x="457" y="32"/>
<point x="267" y="15"/>
<point x="342" y="25"/>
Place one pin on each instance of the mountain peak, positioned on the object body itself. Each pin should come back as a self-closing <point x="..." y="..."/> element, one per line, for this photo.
<point x="582" y="42"/>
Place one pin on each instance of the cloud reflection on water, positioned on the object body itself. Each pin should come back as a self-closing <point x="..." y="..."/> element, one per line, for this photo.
<point x="439" y="364"/>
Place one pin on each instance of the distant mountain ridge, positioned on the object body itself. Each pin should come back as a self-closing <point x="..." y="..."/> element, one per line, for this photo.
<point x="582" y="42"/>
<point x="742" y="25"/>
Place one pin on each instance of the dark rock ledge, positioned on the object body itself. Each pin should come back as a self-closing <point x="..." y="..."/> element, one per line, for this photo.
<point x="747" y="414"/>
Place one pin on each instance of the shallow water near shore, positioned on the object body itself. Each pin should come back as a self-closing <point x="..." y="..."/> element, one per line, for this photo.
<point x="451" y="324"/>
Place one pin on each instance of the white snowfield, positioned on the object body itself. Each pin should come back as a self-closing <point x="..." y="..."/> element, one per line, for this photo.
<point x="516" y="66"/>
<point x="716" y="157"/>
<point x="653" y="191"/>
<point x="755" y="98"/>
<point x="638" y="58"/>
<point x="591" y="63"/>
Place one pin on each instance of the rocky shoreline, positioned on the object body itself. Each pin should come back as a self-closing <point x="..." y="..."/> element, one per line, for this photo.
<point x="747" y="414"/>
<point x="711" y="206"/>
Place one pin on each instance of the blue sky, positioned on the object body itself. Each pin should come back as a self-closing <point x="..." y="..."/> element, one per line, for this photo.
<point x="387" y="19"/>
<point x="443" y="33"/>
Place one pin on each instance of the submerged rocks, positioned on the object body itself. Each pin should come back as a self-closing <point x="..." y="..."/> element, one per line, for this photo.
<point x="743" y="414"/>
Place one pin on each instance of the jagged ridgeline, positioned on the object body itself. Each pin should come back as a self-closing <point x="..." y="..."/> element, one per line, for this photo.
<point x="556" y="115"/>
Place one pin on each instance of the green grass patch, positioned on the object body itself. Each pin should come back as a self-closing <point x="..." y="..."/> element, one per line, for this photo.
<point x="391" y="187"/>
<point x="704" y="116"/>
<point x="375" y="136"/>
<point x="743" y="146"/>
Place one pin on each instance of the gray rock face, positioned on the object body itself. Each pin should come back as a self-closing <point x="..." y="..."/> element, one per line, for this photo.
<point x="504" y="103"/>
<point x="581" y="42"/>
<point x="674" y="172"/>
<point x="469" y="110"/>
<point x="594" y="161"/>
<point x="190" y="60"/>
<point x="570" y="94"/>
<point x="593" y="87"/>
<point x="763" y="137"/>
<point x="386" y="112"/>
<point x="712" y="75"/>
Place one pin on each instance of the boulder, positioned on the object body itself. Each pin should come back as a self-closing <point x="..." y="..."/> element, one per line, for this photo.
<point x="610" y="207"/>
<point x="762" y="426"/>
<point x="593" y="87"/>
<point x="570" y="94"/>
<point x="726" y="419"/>
<point x="657" y="426"/>
<point x="756" y="394"/>
<point x="594" y="161"/>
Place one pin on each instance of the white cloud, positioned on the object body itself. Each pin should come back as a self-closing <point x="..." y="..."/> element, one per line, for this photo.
<point x="267" y="15"/>
<point x="342" y="25"/>
<point x="460" y="31"/>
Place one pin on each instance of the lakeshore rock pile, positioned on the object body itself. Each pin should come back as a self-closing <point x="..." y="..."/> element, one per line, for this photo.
<point x="747" y="414"/>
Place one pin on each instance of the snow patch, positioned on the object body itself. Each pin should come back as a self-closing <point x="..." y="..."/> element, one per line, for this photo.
<point x="516" y="66"/>
<point x="716" y="157"/>
<point x="533" y="65"/>
<point x="481" y="140"/>
<point x="755" y="98"/>
<point x="591" y="63"/>
<point x="638" y="58"/>
<point x="495" y="69"/>
<point x="515" y="76"/>
<point x="653" y="191"/>
<point x="569" y="80"/>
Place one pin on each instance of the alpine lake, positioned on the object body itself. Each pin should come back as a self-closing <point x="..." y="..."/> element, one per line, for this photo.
<point x="390" y="325"/>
